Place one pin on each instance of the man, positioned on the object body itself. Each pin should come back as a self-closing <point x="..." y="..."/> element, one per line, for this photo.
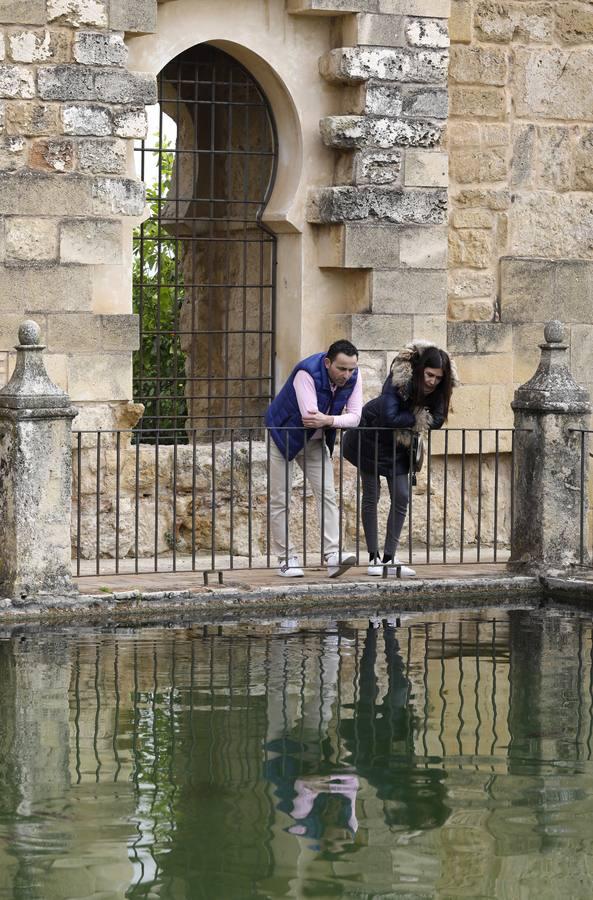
<point x="322" y="393"/>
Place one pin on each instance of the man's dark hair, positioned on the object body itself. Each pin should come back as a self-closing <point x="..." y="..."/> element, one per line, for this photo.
<point x="341" y="347"/>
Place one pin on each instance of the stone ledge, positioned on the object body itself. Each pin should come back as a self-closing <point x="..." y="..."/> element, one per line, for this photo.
<point x="353" y="65"/>
<point x="346" y="204"/>
<point x="350" y="132"/>
<point x="330" y="7"/>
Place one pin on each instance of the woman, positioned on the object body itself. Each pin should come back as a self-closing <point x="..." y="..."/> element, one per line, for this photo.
<point x="416" y="395"/>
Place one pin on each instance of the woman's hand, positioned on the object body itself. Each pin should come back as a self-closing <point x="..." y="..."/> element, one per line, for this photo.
<point x="316" y="419"/>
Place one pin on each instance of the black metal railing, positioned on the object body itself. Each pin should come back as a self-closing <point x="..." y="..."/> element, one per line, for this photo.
<point x="176" y="504"/>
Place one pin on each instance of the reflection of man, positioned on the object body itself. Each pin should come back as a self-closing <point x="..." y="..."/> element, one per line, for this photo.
<point x="309" y="788"/>
<point x="322" y="393"/>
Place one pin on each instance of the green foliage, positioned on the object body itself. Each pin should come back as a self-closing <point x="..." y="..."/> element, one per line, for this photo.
<point x="159" y="365"/>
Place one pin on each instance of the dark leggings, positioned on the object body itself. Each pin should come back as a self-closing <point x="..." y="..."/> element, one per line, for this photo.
<point x="371" y="491"/>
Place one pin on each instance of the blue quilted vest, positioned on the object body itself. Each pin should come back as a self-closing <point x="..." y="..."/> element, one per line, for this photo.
<point x="283" y="412"/>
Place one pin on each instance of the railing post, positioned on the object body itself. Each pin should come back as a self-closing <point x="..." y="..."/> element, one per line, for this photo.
<point x="547" y="464"/>
<point x="35" y="479"/>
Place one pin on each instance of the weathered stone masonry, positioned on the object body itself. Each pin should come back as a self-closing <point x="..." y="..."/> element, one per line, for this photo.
<point x="69" y="110"/>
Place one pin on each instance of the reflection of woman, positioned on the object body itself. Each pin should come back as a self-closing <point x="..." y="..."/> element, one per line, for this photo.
<point x="416" y="396"/>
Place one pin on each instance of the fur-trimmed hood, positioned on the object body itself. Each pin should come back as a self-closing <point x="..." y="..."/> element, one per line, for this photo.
<point x="401" y="367"/>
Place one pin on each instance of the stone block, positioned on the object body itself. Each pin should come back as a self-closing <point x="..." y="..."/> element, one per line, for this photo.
<point x="52" y="155"/>
<point x="90" y="241"/>
<point x="93" y="48"/>
<point x="425" y="101"/>
<point x="478" y="65"/>
<point x="44" y="289"/>
<point x="344" y="132"/>
<point x="369" y="167"/>
<point x="476" y="309"/>
<point x="33" y="193"/>
<point x="66" y="83"/>
<point x="526" y="352"/>
<point x="373" y="30"/>
<point x="436" y="8"/>
<point x="495" y="134"/>
<point x="373" y="368"/>
<point x="118" y="196"/>
<point x="130" y="123"/>
<point x="461" y="337"/>
<point x="472" y="218"/>
<point x="522" y="163"/>
<point x="430" y="328"/>
<point x="501" y="413"/>
<point x="9" y="329"/>
<point x="463" y="134"/>
<point x="12" y="153"/>
<point x="348" y="65"/>
<point x="475" y="165"/>
<point x="553" y="84"/>
<point x="471" y="102"/>
<point x="471" y="248"/>
<point x="423" y="248"/>
<point x="583" y="162"/>
<point x="331" y="7"/>
<point x="386" y="332"/>
<point x="555" y="157"/>
<point x="460" y="22"/>
<point x="102" y="156"/>
<point x="503" y="22"/>
<point x="406" y="291"/>
<point x="31" y="239"/>
<point x="120" y="333"/>
<point x="542" y="223"/>
<point x="426" y="32"/>
<point x="581" y="342"/>
<point x="100" y="376"/>
<point x="39" y="46"/>
<point x="424" y="168"/>
<point x="383" y="99"/>
<point x="32" y="119"/>
<point x="126" y="87"/>
<point x="574" y="23"/>
<point x="133" y="15"/>
<point x="16" y="82"/>
<point x="470" y="407"/>
<point x="73" y="333"/>
<point x="78" y="12"/>
<point x="497" y="200"/>
<point x="358" y="246"/>
<point x="87" y="120"/>
<point x="23" y="12"/>
<point x="344" y="204"/>
<point x="465" y="283"/>
<point x="494" y="337"/>
<point x="527" y="290"/>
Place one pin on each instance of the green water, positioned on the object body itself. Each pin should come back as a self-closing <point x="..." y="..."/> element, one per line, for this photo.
<point x="438" y="756"/>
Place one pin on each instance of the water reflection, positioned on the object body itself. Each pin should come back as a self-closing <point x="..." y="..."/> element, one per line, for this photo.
<point x="448" y="757"/>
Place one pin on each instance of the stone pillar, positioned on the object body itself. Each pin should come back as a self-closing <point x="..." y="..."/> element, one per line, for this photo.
<point x="547" y="465"/>
<point x="35" y="478"/>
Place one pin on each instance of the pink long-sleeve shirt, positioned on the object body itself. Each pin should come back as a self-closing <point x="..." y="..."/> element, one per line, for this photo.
<point x="306" y="395"/>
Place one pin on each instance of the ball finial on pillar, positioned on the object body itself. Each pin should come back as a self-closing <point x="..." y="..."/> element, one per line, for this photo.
<point x="29" y="333"/>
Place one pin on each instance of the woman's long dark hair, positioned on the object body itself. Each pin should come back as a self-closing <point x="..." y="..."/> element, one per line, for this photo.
<point x="432" y="358"/>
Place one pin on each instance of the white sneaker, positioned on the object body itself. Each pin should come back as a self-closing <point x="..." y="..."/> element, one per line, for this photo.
<point x="290" y="568"/>
<point x="337" y="566"/>
<point x="377" y="569"/>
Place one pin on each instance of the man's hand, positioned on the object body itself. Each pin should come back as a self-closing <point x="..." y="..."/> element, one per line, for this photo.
<point x="315" y="419"/>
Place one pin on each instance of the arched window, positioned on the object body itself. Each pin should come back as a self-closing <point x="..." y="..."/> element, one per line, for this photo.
<point x="204" y="264"/>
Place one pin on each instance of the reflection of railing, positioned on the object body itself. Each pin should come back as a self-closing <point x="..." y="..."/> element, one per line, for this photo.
<point x="175" y="504"/>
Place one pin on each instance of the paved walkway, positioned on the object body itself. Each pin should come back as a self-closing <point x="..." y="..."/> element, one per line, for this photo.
<point x="254" y="579"/>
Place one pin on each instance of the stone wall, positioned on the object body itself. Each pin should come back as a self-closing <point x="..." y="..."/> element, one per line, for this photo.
<point x="69" y="110"/>
<point x="520" y="138"/>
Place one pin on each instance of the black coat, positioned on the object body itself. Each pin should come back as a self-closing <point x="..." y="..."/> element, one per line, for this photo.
<point x="377" y="437"/>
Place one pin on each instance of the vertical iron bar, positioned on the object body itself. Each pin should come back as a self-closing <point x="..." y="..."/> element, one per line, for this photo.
<point x="156" y="501"/>
<point x="462" y="496"/>
<point x="213" y="499"/>
<point x="250" y="496"/>
<point x="322" y="446"/>
<point x="479" y="536"/>
<point x="137" y="504"/>
<point x="268" y="516"/>
<point x="232" y="499"/>
<point x="117" y="497"/>
<point x="496" y="461"/>
<point x="445" y="484"/>
<point x="358" y="444"/>
<point x="193" y="501"/>
<point x="428" y="485"/>
<point x="582" y="507"/>
<point x="78" y="499"/>
<point x="175" y="501"/>
<point x="98" y="506"/>
<point x="305" y="446"/>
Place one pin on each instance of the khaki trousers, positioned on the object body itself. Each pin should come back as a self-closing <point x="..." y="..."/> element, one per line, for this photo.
<point x="318" y="460"/>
